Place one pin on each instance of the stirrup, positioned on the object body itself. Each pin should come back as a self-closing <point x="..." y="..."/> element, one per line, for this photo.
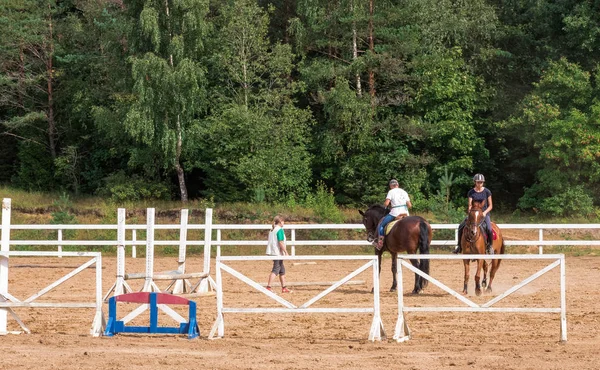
<point x="379" y="243"/>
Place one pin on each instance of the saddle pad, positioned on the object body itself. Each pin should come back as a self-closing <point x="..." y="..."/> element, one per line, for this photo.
<point x="389" y="226"/>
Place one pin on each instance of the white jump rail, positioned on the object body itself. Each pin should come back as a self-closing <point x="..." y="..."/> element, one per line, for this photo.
<point x="376" y="332"/>
<point x="8" y="301"/>
<point x="402" y="332"/>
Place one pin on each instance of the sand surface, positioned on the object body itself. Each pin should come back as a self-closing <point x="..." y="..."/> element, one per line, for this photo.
<point x="60" y="338"/>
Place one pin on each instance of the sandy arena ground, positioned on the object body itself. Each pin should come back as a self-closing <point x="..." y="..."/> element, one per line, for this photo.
<point x="60" y="338"/>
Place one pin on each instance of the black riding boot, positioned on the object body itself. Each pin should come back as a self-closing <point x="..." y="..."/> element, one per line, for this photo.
<point x="490" y="240"/>
<point x="458" y="249"/>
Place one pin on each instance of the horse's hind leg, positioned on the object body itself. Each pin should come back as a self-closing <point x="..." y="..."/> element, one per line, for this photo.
<point x="418" y="287"/>
<point x="394" y="271"/>
<point x="495" y="265"/>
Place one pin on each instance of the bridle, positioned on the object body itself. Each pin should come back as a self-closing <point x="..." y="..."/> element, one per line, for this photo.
<point x="469" y="236"/>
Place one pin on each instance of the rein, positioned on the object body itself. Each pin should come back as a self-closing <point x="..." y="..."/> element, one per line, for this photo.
<point x="469" y="225"/>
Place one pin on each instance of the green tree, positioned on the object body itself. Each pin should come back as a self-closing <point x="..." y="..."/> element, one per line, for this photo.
<point x="559" y="122"/>
<point x="255" y="138"/>
<point x="28" y="78"/>
<point x="169" y="80"/>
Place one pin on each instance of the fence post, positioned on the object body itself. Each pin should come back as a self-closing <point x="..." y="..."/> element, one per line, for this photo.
<point x="293" y="240"/>
<point x="133" y="246"/>
<point x="541" y="238"/>
<point x="5" y="247"/>
<point x="60" y="238"/>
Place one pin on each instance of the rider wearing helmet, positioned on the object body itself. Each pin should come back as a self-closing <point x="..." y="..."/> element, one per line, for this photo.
<point x="399" y="201"/>
<point x="479" y="193"/>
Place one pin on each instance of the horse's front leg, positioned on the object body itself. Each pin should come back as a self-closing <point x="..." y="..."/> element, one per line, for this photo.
<point x="477" y="277"/>
<point x="485" y="273"/>
<point x="466" y="263"/>
<point x="394" y="272"/>
<point x="418" y="288"/>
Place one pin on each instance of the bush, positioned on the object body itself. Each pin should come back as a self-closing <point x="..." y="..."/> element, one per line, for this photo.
<point x="322" y="202"/>
<point x="121" y="187"/>
<point x="573" y="201"/>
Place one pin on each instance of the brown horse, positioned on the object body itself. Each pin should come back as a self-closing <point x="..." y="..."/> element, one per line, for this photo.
<point x="473" y="242"/>
<point x="410" y="234"/>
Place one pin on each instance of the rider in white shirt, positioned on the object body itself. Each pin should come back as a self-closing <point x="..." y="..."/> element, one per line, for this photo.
<point x="399" y="201"/>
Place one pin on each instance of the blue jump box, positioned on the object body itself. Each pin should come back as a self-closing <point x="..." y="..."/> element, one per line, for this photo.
<point x="115" y="326"/>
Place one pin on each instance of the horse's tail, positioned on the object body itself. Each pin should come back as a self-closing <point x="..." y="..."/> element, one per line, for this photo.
<point x="424" y="244"/>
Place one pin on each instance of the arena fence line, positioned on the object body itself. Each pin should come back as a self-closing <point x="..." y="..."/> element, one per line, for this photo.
<point x="402" y="332"/>
<point x="376" y="332"/>
<point x="8" y="302"/>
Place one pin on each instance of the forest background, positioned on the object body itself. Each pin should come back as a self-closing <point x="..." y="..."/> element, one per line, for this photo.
<point x="312" y="103"/>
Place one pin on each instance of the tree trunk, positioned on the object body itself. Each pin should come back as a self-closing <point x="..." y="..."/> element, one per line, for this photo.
<point x="49" y="69"/>
<point x="178" y="167"/>
<point x="372" y="49"/>
<point x="355" y="49"/>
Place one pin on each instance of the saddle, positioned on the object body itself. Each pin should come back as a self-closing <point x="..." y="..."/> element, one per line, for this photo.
<point x="388" y="229"/>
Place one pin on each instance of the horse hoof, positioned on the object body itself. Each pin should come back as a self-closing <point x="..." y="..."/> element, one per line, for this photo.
<point x="393" y="289"/>
<point x="478" y="292"/>
<point x="483" y="285"/>
<point x="372" y="290"/>
<point x="488" y="290"/>
<point x="416" y="291"/>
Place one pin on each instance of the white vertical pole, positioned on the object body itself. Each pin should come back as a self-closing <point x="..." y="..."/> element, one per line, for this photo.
<point x="133" y="246"/>
<point x="207" y="238"/>
<point x="402" y="332"/>
<point x="563" y="301"/>
<point x="541" y="238"/>
<point x="205" y="284"/>
<point x="180" y="285"/>
<point x="148" y="282"/>
<point x="5" y="247"/>
<point x="293" y="240"/>
<point x="98" y="323"/>
<point x="60" y="238"/>
<point x="121" y="286"/>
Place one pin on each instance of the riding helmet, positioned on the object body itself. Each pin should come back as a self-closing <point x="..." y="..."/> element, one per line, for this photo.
<point x="393" y="182"/>
<point x="478" y="177"/>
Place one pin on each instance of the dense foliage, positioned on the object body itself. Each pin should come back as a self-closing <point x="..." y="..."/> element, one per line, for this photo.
<point x="281" y="100"/>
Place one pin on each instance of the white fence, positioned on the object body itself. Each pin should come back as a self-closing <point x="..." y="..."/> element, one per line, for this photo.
<point x="8" y="301"/>
<point x="376" y="332"/>
<point x="402" y="332"/>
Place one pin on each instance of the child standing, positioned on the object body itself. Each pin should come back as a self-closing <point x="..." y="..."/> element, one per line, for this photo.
<point x="277" y="247"/>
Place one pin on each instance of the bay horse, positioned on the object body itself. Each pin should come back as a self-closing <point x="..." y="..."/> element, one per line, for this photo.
<point x="410" y="234"/>
<point x="473" y="242"/>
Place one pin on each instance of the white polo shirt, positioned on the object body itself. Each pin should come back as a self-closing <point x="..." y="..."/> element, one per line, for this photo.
<point x="398" y="199"/>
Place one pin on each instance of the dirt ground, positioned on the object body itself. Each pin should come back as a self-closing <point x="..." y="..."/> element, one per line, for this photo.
<point x="60" y="338"/>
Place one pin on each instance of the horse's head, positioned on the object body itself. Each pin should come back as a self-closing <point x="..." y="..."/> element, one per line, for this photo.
<point x="371" y="218"/>
<point x="474" y="220"/>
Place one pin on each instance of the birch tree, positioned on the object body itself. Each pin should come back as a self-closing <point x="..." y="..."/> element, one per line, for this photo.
<point x="169" y="80"/>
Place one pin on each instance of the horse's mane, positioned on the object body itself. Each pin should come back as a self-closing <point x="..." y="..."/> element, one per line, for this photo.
<point x="477" y="205"/>
<point x="376" y="206"/>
